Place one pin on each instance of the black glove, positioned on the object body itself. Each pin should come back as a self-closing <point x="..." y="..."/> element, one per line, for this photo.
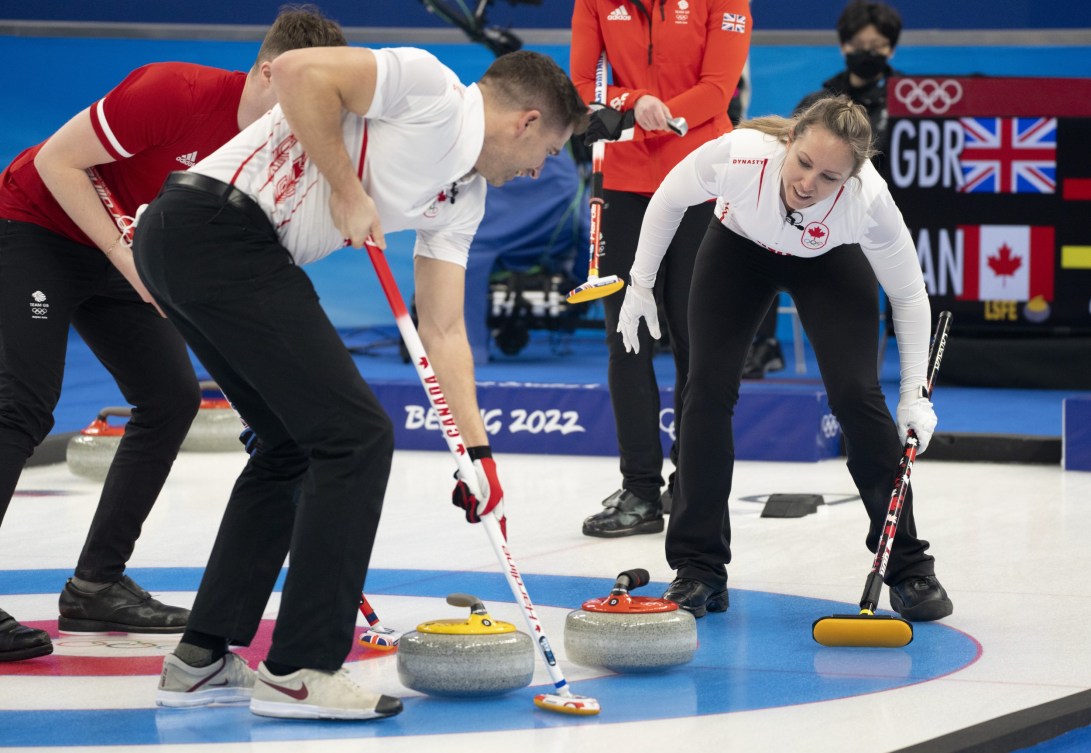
<point x="607" y="124"/>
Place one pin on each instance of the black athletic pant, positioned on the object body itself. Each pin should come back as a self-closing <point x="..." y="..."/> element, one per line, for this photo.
<point x="48" y="283"/>
<point x="836" y="295"/>
<point x="316" y="489"/>
<point x="634" y="392"/>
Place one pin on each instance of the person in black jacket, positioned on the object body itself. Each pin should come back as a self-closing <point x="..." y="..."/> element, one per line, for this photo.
<point x="868" y="32"/>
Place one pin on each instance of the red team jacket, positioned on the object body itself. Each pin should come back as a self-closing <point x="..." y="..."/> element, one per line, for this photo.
<point x="162" y="117"/>
<point x="688" y="53"/>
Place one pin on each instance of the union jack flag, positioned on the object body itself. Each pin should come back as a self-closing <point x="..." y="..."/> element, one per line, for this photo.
<point x="734" y="22"/>
<point x="1009" y="155"/>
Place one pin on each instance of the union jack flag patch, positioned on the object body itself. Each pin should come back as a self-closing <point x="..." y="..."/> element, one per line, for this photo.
<point x="734" y="22"/>
<point x="1009" y="155"/>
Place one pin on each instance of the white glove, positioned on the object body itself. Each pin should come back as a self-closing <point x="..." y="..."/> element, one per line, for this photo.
<point x="915" y="412"/>
<point x="639" y="302"/>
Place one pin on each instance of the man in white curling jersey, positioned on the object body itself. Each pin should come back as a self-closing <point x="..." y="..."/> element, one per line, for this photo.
<point x="364" y="141"/>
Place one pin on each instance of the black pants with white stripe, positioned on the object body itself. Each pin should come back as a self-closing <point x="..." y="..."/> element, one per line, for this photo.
<point x="836" y="295"/>
<point x="634" y="391"/>
<point x="48" y="284"/>
<point x="316" y="488"/>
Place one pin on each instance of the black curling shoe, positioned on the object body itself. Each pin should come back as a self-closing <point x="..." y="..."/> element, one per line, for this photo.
<point x="121" y="607"/>
<point x="18" y="642"/>
<point x="625" y="515"/>
<point x="920" y="598"/>
<point x="696" y="597"/>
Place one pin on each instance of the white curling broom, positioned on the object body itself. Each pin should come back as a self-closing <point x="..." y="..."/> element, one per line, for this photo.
<point x="562" y="700"/>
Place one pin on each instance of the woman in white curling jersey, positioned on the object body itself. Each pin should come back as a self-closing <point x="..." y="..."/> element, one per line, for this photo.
<point x="800" y="209"/>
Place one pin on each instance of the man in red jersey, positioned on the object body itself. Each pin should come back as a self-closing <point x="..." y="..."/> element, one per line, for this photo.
<point x="64" y="261"/>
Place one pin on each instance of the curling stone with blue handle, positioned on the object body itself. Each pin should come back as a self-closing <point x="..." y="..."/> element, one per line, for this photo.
<point x="478" y="656"/>
<point x="624" y="633"/>
<point x="90" y="453"/>
<point x="216" y="427"/>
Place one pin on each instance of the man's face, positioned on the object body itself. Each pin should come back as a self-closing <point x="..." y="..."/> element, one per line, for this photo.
<point x="519" y="147"/>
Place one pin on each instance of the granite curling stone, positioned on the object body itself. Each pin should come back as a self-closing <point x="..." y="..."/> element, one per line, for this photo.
<point x="90" y="453"/>
<point x="624" y="633"/>
<point x="478" y="656"/>
<point x="216" y="427"/>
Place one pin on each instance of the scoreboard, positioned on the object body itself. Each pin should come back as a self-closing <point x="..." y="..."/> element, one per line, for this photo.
<point x="993" y="177"/>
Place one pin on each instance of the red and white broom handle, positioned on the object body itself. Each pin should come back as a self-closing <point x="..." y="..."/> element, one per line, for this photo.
<point x="466" y="469"/>
<point x="873" y="586"/>
<point x="123" y="221"/>
<point x="598" y="153"/>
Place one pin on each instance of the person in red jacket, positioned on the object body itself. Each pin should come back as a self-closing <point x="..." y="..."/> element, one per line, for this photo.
<point x="62" y="253"/>
<point x="669" y="58"/>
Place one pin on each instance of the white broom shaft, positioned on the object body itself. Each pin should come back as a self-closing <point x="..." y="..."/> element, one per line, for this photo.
<point x="465" y="466"/>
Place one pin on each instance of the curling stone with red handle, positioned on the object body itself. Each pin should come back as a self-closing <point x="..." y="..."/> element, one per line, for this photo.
<point x="626" y="633"/>
<point x="90" y="453"/>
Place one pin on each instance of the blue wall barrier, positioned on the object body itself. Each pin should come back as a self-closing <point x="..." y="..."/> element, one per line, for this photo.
<point x="574" y="419"/>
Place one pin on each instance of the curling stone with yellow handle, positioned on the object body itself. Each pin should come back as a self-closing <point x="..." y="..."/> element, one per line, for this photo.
<point x="216" y="427"/>
<point x="478" y="656"/>
<point x="626" y="633"/>
<point x="90" y="453"/>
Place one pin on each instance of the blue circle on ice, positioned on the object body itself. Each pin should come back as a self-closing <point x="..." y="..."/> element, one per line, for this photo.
<point x="759" y="654"/>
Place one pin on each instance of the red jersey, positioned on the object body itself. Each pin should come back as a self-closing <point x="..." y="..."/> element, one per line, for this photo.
<point x="688" y="53"/>
<point x="163" y="117"/>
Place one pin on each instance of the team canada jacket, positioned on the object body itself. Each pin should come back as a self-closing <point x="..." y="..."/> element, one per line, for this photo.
<point x="688" y="53"/>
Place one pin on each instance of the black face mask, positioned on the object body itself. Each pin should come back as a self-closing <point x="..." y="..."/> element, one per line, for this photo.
<point x="865" y="64"/>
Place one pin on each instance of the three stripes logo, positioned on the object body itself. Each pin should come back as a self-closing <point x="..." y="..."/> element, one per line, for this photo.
<point x="189" y="160"/>
<point x="619" y="14"/>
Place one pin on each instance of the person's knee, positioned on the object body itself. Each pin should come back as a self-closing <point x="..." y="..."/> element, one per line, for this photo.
<point x="170" y="408"/>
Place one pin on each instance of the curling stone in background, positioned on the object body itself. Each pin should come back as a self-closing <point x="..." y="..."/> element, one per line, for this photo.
<point x="90" y="452"/>
<point x="626" y="633"/>
<point x="216" y="427"/>
<point x="473" y="657"/>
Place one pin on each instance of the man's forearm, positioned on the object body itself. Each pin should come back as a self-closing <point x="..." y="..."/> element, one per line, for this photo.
<point x="453" y="363"/>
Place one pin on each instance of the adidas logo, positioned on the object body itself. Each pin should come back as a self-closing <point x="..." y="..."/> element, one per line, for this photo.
<point x="189" y="160"/>
<point x="619" y="14"/>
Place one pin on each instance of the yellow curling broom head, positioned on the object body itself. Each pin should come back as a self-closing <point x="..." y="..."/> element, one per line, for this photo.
<point x="864" y="630"/>
<point x="576" y="705"/>
<point x="597" y="287"/>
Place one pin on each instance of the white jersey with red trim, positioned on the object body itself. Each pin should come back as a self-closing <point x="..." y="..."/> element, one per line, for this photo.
<point x="742" y="171"/>
<point x="415" y="149"/>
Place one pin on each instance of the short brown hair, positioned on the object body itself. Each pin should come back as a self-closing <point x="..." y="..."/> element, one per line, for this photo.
<point x="527" y="80"/>
<point x="298" y="26"/>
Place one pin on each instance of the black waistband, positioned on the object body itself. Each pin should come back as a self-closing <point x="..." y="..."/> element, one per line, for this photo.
<point x="217" y="188"/>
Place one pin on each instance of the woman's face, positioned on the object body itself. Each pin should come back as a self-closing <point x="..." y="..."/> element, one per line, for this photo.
<point x="817" y="164"/>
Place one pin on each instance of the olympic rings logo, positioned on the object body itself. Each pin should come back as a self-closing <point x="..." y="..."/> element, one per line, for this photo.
<point x="928" y="95"/>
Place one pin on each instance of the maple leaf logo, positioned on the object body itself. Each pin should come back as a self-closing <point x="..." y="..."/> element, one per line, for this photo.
<point x="816" y="232"/>
<point x="1004" y="264"/>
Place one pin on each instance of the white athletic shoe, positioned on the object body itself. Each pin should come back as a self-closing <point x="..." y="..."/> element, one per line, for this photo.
<point x="227" y="680"/>
<point x="317" y="694"/>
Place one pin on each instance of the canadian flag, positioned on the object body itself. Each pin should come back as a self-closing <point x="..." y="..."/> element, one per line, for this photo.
<point x="1006" y="262"/>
